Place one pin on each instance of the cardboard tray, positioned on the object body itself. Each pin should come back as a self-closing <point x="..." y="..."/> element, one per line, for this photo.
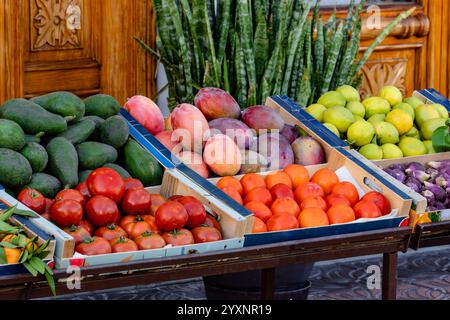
<point x="6" y="201"/>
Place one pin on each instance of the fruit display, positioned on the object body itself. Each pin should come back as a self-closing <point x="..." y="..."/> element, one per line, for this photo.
<point x="52" y="142"/>
<point x="215" y="138"/>
<point x="292" y="198"/>
<point x="109" y="214"/>
<point x="432" y="180"/>
<point x="386" y="126"/>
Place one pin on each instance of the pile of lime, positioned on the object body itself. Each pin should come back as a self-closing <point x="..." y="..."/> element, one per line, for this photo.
<point x="382" y="127"/>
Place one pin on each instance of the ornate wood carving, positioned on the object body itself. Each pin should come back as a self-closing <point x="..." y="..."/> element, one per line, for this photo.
<point x="56" y="24"/>
<point x="379" y="73"/>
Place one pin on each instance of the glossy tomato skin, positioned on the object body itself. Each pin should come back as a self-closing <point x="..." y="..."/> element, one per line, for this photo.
<point x="88" y="226"/>
<point x="106" y="182"/>
<point x="379" y="200"/>
<point x="134" y="226"/>
<point x="123" y="244"/>
<point x="212" y="221"/>
<point x="195" y="210"/>
<point x="33" y="199"/>
<point x="66" y="213"/>
<point x="78" y="233"/>
<point x="83" y="189"/>
<point x="180" y="237"/>
<point x="152" y="223"/>
<point x="48" y="204"/>
<point x="131" y="183"/>
<point x="101" y="211"/>
<point x="136" y="202"/>
<point x="149" y="241"/>
<point x="175" y="198"/>
<point x="111" y="232"/>
<point x="71" y="194"/>
<point x="171" y="215"/>
<point x="206" y="234"/>
<point x="94" y="246"/>
<point x="367" y="209"/>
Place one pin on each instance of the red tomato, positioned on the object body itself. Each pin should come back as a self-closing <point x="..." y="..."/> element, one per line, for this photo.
<point x="280" y="191"/>
<point x="94" y="246"/>
<point x="46" y="216"/>
<point x="131" y="183"/>
<point x="106" y="182"/>
<point x="195" y="210"/>
<point x="66" y="213"/>
<point x="48" y="204"/>
<point x="180" y="237"/>
<point x="380" y="201"/>
<point x="33" y="199"/>
<point x="148" y="241"/>
<point x="83" y="189"/>
<point x="136" y="201"/>
<point x="175" y="197"/>
<point x="206" y="234"/>
<point x="123" y="244"/>
<point x="101" y="211"/>
<point x="156" y="200"/>
<point x="171" y="215"/>
<point x="78" y="233"/>
<point x="71" y="194"/>
<point x="151" y="222"/>
<point x="110" y="232"/>
<point x="366" y="209"/>
<point x="212" y="221"/>
<point x="135" y="226"/>
<point x="88" y="226"/>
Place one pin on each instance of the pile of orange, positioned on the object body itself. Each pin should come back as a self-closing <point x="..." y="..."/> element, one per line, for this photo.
<point x="291" y="199"/>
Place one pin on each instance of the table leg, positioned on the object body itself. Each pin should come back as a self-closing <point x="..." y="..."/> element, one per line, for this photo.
<point x="267" y="284"/>
<point x="389" y="288"/>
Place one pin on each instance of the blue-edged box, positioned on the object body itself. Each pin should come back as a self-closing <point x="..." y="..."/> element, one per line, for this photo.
<point x="6" y="201"/>
<point x="432" y="96"/>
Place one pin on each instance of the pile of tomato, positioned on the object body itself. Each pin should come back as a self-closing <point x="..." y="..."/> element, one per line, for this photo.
<point x="291" y="199"/>
<point x="108" y="214"/>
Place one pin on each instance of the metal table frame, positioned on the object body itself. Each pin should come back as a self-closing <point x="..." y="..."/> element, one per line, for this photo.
<point x="266" y="258"/>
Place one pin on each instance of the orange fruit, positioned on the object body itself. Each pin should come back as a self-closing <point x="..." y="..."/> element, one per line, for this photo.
<point x="258" y="225"/>
<point x="341" y="214"/>
<point x="231" y="182"/>
<point x="278" y="177"/>
<point x="260" y="210"/>
<point x="282" y="221"/>
<point x="285" y="205"/>
<point x="281" y="190"/>
<point x="259" y="194"/>
<point x="233" y="194"/>
<point x="348" y="190"/>
<point x="308" y="189"/>
<point x="297" y="173"/>
<point x="252" y="181"/>
<point x="313" y="217"/>
<point x="335" y="199"/>
<point x="325" y="178"/>
<point x="314" y="202"/>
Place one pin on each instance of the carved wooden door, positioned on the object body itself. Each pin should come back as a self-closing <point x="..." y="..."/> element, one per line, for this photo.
<point x="83" y="46"/>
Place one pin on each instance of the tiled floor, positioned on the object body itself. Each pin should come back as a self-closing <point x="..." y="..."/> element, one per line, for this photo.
<point x="424" y="275"/>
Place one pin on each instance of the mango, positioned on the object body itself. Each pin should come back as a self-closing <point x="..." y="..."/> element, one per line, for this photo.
<point x="235" y="129"/>
<point x="216" y="103"/>
<point x="290" y="133"/>
<point x="222" y="155"/>
<point x="308" y="151"/>
<point x="262" y="119"/>
<point x="168" y="139"/>
<point x="190" y="126"/>
<point x="195" y="162"/>
<point x="146" y="112"/>
<point x="276" y="149"/>
<point x="252" y="162"/>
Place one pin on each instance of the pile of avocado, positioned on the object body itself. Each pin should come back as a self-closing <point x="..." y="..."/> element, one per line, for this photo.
<point x="54" y="141"/>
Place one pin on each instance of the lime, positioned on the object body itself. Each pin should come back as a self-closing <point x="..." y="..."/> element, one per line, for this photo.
<point x="426" y="112"/>
<point x="340" y="117"/>
<point x="350" y="93"/>
<point x="376" y="118"/>
<point x="413" y="102"/>
<point x="391" y="151"/>
<point x="332" y="128"/>
<point x="428" y="127"/>
<point x="391" y="94"/>
<point x="376" y="105"/>
<point x="358" y="118"/>
<point x="443" y="112"/>
<point x="372" y="152"/>
<point x="360" y="133"/>
<point x="357" y="108"/>
<point x="332" y="99"/>
<point x="429" y="145"/>
<point x="406" y="107"/>
<point x="401" y="120"/>
<point x="413" y="133"/>
<point x="316" y="111"/>
<point x="386" y="133"/>
<point x="412" y="147"/>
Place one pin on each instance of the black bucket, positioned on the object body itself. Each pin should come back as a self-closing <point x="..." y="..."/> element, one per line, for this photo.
<point x="291" y="283"/>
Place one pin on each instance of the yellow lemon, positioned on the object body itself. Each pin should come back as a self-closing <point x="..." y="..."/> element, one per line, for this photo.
<point x="401" y="120"/>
